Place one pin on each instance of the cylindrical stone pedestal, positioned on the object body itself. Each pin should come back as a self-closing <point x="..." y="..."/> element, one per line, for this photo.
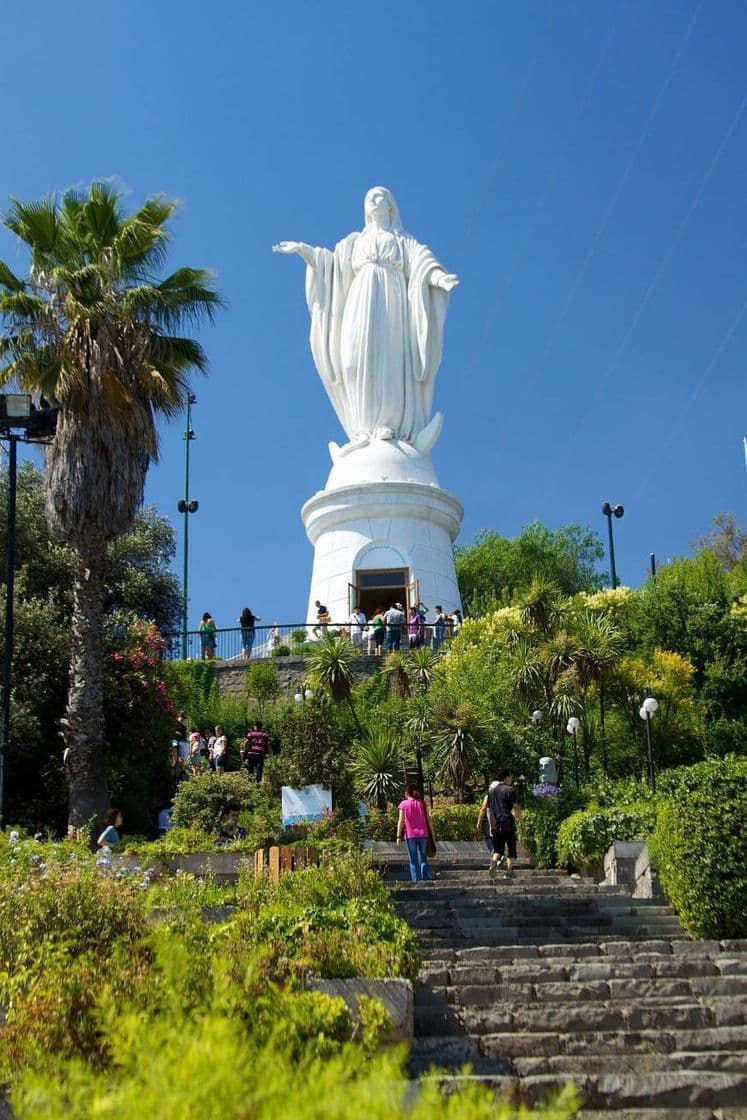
<point x="382" y="539"/>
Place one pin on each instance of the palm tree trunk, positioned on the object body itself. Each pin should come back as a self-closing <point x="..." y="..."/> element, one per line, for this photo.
<point x="83" y="727"/>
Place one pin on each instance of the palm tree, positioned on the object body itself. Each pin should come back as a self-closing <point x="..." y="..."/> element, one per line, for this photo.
<point x="376" y="765"/>
<point x="331" y="668"/>
<point x="92" y="330"/>
<point x="541" y="606"/>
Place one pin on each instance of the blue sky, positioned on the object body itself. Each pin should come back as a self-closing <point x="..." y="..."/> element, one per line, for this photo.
<point x="581" y="166"/>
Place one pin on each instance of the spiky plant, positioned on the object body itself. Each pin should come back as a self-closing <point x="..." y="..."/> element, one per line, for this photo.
<point x="397" y="669"/>
<point x="377" y="768"/>
<point x="94" y="330"/>
<point x="422" y="667"/>
<point x="331" y="668"/>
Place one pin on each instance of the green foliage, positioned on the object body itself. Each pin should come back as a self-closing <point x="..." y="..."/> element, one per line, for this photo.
<point x="700" y="846"/>
<point x="202" y="801"/>
<point x="311" y="751"/>
<point x="110" y="1014"/>
<point x="493" y="568"/>
<point x="261" y="685"/>
<point x="192" y="685"/>
<point x="377" y="768"/>
<point x="196" y="1067"/>
<point x="281" y="651"/>
<point x="585" y="836"/>
<point x="143" y="587"/>
<point x="541" y="823"/>
<point x="333" y="920"/>
<point x="140" y="719"/>
<point x="450" y="822"/>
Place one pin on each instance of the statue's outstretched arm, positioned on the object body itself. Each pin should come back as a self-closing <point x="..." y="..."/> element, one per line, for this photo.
<point x="300" y="247"/>
<point x="440" y="279"/>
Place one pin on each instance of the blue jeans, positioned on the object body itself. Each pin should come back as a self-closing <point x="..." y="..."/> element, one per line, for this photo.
<point x="417" y="851"/>
<point x="393" y="638"/>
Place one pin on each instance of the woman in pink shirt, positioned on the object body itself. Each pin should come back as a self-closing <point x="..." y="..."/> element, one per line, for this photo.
<point x="415" y="826"/>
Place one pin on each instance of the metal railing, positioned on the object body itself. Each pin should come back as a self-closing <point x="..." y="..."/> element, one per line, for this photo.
<point x="294" y="639"/>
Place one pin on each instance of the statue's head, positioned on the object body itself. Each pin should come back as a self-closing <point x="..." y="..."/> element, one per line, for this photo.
<point x="380" y="203"/>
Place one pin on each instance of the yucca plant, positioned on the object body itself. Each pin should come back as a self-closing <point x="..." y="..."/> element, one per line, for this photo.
<point x="397" y="669"/>
<point x="331" y="668"/>
<point x="94" y="330"/>
<point x="459" y="744"/>
<point x="377" y="768"/>
<point x="422" y="667"/>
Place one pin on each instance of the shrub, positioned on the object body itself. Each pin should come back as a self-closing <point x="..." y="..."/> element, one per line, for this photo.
<point x="202" y="800"/>
<point x="585" y="836"/>
<point x="541" y="822"/>
<point x="281" y="651"/>
<point x="700" y="845"/>
<point x="450" y="822"/>
<point x="65" y="932"/>
<point x="333" y="920"/>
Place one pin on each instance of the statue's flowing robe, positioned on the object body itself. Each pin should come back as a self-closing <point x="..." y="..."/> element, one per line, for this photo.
<point x="377" y="331"/>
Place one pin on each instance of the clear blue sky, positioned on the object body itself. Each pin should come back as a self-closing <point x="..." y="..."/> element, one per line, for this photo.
<point x="581" y="166"/>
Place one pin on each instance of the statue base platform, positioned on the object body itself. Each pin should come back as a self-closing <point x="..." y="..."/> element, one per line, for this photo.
<point x="382" y="532"/>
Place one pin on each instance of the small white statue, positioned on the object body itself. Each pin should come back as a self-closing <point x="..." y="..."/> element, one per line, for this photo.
<point x="378" y="304"/>
<point x="548" y="771"/>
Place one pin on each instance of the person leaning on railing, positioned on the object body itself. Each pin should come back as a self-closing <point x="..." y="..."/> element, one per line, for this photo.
<point x="208" y="631"/>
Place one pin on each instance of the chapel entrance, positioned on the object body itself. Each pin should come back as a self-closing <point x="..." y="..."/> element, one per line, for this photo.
<point x="380" y="588"/>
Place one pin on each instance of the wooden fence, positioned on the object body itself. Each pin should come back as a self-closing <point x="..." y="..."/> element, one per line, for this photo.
<point x="281" y="860"/>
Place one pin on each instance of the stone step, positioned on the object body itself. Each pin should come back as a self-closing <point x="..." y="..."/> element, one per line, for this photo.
<point x="655" y="1092"/>
<point x="572" y="1066"/>
<point x="530" y="1044"/>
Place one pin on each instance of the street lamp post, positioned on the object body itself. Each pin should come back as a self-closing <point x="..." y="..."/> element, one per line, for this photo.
<point x="609" y="510"/>
<point x="186" y="507"/>
<point x="572" y="728"/>
<point x="646" y="711"/>
<point x="16" y="411"/>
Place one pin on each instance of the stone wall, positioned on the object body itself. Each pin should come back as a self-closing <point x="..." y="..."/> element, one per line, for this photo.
<point x="292" y="674"/>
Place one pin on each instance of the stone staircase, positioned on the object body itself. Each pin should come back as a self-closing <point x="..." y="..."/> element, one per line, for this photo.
<point x="546" y="979"/>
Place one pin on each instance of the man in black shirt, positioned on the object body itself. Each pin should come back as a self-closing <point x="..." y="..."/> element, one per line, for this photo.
<point x="503" y="810"/>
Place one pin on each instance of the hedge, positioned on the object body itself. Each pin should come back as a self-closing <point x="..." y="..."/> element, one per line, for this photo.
<point x="585" y="836"/>
<point x="541" y="822"/>
<point x="700" y="845"/>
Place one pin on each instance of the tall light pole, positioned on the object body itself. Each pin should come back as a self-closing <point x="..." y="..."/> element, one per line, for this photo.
<point x="185" y="506"/>
<point x="609" y="511"/>
<point x="647" y="709"/>
<point x="16" y="411"/>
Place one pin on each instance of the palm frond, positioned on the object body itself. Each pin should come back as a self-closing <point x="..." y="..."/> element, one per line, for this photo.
<point x="171" y="354"/>
<point x="35" y="223"/>
<point x="9" y="280"/>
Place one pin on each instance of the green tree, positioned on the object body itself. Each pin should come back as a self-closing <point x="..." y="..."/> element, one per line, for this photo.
<point x="92" y="330"/>
<point x="142" y="587"/>
<point x="493" y="568"/>
<point x="261" y="684"/>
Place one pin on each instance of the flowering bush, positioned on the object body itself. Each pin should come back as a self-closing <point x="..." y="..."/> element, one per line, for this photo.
<point x="545" y="789"/>
<point x="140" y="722"/>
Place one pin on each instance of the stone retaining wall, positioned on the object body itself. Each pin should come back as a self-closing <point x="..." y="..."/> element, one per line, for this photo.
<point x="292" y="674"/>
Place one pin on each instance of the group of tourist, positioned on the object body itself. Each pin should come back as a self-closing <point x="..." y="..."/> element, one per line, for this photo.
<point x="201" y="751"/>
<point x="247" y="621"/>
<point x="496" y="820"/>
<point x="387" y="629"/>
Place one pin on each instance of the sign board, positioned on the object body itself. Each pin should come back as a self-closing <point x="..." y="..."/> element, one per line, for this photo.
<point x="311" y="803"/>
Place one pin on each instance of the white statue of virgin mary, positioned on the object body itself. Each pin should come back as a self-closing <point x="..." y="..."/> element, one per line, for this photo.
<point x="378" y="304"/>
